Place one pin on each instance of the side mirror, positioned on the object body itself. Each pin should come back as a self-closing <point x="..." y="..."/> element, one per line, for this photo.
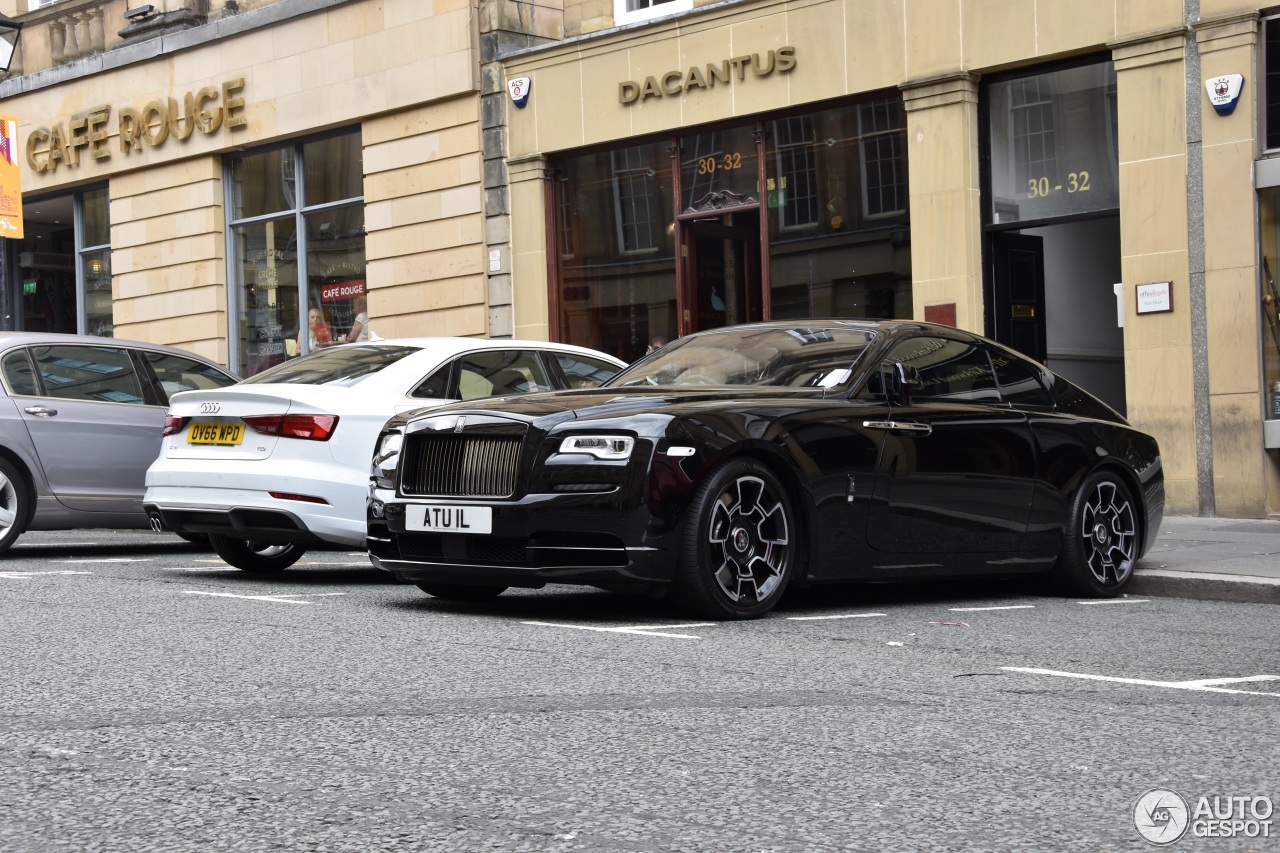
<point x="906" y="377"/>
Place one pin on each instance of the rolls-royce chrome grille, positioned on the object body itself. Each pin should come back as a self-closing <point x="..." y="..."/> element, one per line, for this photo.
<point x="461" y="466"/>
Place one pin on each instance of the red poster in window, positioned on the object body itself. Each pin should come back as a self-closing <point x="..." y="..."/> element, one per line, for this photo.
<point x="339" y="291"/>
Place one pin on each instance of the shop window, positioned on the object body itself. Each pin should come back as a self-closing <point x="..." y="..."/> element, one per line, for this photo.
<point x="631" y="11"/>
<point x="608" y="297"/>
<point x="298" y="250"/>
<point x="95" y="263"/>
<point x="854" y="258"/>
<point x="63" y="279"/>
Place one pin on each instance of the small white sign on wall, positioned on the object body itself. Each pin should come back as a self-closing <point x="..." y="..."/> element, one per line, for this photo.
<point x="1155" y="297"/>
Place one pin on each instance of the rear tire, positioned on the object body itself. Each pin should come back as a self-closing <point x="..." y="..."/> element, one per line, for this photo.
<point x="741" y="544"/>
<point x="15" y="504"/>
<point x="256" y="557"/>
<point x="461" y="592"/>
<point x="1101" y="547"/>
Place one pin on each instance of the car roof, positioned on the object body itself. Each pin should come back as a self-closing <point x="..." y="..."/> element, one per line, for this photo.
<point x="446" y="345"/>
<point x="13" y="339"/>
<point x="883" y="326"/>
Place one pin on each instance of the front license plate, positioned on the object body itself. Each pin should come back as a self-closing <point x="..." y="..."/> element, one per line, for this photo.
<point x="203" y="432"/>
<point x="449" y="519"/>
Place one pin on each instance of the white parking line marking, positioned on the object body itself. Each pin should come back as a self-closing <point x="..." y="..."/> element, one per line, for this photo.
<point x="22" y="576"/>
<point x="197" y="569"/>
<point x="841" y="616"/>
<point x="112" y="560"/>
<point x="1117" y="601"/>
<point x="1002" y="607"/>
<point x="1213" y="682"/>
<point x="279" y="598"/>
<point x="1202" y="686"/>
<point x="640" y="630"/>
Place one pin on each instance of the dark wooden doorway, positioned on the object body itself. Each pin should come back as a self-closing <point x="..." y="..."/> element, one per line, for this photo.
<point x="1017" y="308"/>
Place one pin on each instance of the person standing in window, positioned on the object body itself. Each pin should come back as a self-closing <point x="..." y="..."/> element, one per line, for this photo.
<point x="359" y="330"/>
<point x="318" y="333"/>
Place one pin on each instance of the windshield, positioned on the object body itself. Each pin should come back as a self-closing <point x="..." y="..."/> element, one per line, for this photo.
<point x="346" y="364"/>
<point x="791" y="357"/>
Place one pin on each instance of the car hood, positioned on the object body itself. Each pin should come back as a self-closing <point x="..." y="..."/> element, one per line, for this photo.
<point x="551" y="408"/>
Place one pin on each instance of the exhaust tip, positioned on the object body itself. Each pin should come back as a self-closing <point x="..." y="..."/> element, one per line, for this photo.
<point x="157" y="523"/>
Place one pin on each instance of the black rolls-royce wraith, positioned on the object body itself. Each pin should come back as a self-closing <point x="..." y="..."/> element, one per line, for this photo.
<point x="734" y="462"/>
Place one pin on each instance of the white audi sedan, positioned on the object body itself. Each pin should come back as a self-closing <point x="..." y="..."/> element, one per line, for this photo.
<point x="279" y="463"/>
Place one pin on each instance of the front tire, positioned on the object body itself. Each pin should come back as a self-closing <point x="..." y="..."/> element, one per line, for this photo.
<point x="1101" y="548"/>
<point x="256" y="557"/>
<point x="741" y="544"/>
<point x="461" y="592"/>
<point x="15" y="504"/>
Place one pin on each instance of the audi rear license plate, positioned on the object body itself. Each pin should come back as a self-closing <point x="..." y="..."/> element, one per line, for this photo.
<point x="205" y="432"/>
<point x="449" y="519"/>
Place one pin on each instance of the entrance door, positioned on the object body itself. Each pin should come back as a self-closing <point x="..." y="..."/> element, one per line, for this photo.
<point x="1018" y="306"/>
<point x="722" y="271"/>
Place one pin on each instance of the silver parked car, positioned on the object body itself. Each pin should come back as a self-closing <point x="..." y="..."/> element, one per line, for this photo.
<point x="80" y="422"/>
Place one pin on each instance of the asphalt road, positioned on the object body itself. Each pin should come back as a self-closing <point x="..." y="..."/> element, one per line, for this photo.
<point x="153" y="699"/>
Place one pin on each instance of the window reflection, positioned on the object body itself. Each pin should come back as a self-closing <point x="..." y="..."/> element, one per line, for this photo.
<point x="281" y="312"/>
<point x="616" y="244"/>
<point x="839" y="229"/>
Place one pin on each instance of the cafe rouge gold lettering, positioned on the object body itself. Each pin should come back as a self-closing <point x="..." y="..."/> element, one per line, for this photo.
<point x="707" y="76"/>
<point x="89" y="133"/>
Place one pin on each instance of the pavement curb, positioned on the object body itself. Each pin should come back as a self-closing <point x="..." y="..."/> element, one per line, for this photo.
<point x="1204" y="586"/>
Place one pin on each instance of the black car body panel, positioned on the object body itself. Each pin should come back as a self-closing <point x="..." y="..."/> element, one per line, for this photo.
<point x="885" y="485"/>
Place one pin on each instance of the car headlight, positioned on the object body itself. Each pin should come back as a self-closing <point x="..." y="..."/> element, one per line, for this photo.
<point x="386" y="458"/>
<point x="610" y="448"/>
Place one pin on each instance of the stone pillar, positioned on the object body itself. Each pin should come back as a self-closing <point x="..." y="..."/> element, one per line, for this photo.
<point x="507" y="25"/>
<point x="942" y="168"/>
<point x="1242" y="469"/>
<point x="1165" y="397"/>
<point x="529" y="246"/>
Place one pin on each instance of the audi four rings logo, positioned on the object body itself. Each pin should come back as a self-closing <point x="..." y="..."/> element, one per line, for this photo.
<point x="210" y="408"/>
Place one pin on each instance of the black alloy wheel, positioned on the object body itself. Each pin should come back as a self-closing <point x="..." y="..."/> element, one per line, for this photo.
<point x="256" y="557"/>
<point x="1101" y="547"/>
<point x="461" y="592"/>
<point x="740" y="544"/>
<point x="15" y="504"/>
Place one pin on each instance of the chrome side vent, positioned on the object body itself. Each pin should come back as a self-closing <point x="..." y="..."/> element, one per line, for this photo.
<point x="460" y="466"/>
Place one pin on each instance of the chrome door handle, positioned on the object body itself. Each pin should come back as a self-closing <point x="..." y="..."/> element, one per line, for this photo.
<point x="899" y="426"/>
<point x="41" y="411"/>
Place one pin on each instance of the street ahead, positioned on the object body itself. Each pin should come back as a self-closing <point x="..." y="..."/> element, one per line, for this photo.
<point x="154" y="699"/>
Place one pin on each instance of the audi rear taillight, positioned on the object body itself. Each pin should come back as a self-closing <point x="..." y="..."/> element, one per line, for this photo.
<point x="309" y="427"/>
<point x="174" y="425"/>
